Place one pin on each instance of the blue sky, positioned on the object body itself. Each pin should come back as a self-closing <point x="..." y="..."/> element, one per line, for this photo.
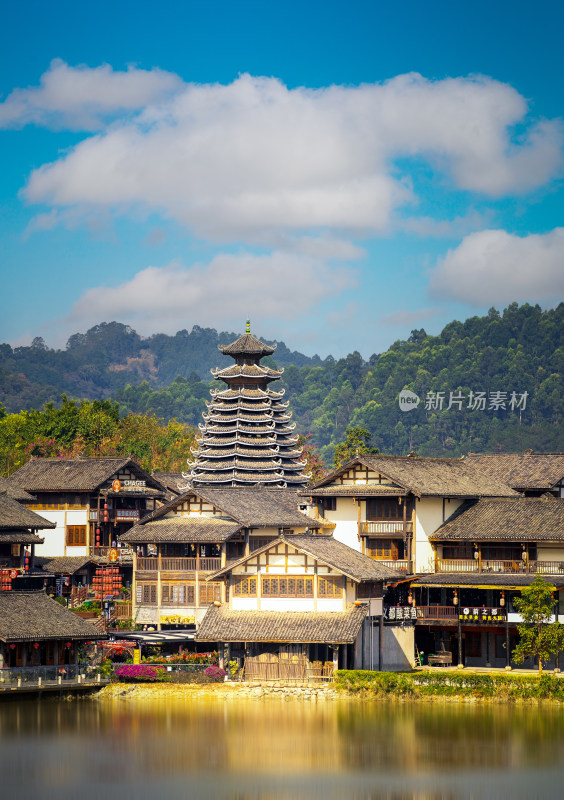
<point x="341" y="173"/>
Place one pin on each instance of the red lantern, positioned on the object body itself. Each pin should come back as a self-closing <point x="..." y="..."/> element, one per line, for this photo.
<point x="12" y="647"/>
<point x="68" y="644"/>
<point x="36" y="645"/>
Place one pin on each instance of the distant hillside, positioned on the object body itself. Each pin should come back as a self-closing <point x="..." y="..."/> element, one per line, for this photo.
<point x="108" y="357"/>
<point x="489" y="383"/>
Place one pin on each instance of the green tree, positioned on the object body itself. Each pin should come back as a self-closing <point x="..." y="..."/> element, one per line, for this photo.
<point x="357" y="442"/>
<point x="538" y="636"/>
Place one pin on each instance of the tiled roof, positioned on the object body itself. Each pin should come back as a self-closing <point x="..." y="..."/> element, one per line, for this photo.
<point x="181" y="529"/>
<point x="515" y="519"/>
<point x="19" y="537"/>
<point x="440" y="477"/>
<point x="330" y="552"/>
<point x="15" y="492"/>
<point x="247" y="344"/>
<point x="74" y="474"/>
<point x="338" y="627"/>
<point x="534" y="471"/>
<point x="339" y="556"/>
<point x="14" y="515"/>
<point x="171" y="480"/>
<point x="68" y="565"/>
<point x="347" y="490"/>
<point x="29" y="616"/>
<point x="499" y="580"/>
<point x="250" y="506"/>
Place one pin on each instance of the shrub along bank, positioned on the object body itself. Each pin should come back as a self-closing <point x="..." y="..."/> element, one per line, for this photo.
<point x="502" y="687"/>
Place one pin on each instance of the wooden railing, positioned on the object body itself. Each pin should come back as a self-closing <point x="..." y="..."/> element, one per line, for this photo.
<point x="178" y="564"/>
<point x="438" y="612"/>
<point x="514" y="566"/>
<point x="124" y="553"/>
<point x="384" y="526"/>
<point x="399" y="564"/>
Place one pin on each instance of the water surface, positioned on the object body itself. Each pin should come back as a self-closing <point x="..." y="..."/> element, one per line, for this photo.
<point x="279" y="750"/>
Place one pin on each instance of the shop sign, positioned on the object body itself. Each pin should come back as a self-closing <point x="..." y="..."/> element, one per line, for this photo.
<point x="481" y="615"/>
<point x="401" y="612"/>
<point x="134" y="484"/>
<point x="178" y="620"/>
<point x="116" y="485"/>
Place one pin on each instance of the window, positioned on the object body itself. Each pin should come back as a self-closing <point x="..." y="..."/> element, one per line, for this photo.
<point x="76" y="535"/>
<point x="256" y="542"/>
<point x="146" y="594"/>
<point x="287" y="587"/>
<point x="178" y="594"/>
<point x="330" y="587"/>
<point x="384" y="509"/>
<point x="390" y="549"/>
<point x="368" y="589"/>
<point x="244" y="587"/>
<point x="210" y="592"/>
<point x="329" y="503"/>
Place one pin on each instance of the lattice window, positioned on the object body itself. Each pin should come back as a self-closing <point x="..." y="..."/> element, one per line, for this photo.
<point x="244" y="587"/>
<point x="210" y="592"/>
<point x="287" y="587"/>
<point x="178" y="594"/>
<point x="76" y="535"/>
<point x="330" y="587"/>
<point x="146" y="594"/>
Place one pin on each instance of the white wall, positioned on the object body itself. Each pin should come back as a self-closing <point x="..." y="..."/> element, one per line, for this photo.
<point x="429" y="514"/>
<point x="346" y="518"/>
<point x="55" y="540"/>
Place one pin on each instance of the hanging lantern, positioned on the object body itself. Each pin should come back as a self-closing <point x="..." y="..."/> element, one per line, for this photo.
<point x="12" y="647"/>
<point x="455" y="598"/>
<point x="36" y="645"/>
<point x="502" y="599"/>
<point x="68" y="644"/>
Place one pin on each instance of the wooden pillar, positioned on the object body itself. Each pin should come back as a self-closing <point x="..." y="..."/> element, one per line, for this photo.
<point x="381" y="644"/>
<point x="197" y="589"/>
<point x="159" y="594"/>
<point x="507" y="647"/>
<point x="335" y="657"/>
<point x="221" y="653"/>
<point x="247" y="543"/>
<point x="134" y="585"/>
<point x="460" y="664"/>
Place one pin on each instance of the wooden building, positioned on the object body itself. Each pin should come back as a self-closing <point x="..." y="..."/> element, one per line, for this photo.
<point x="197" y="533"/>
<point x="247" y="437"/>
<point x="36" y="631"/>
<point x="92" y="501"/>
<point x="18" y="534"/>
<point x="389" y="506"/>
<point x="303" y="600"/>
<point x="530" y="473"/>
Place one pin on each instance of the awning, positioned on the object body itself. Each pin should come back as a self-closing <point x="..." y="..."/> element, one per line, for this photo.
<point x="159" y="637"/>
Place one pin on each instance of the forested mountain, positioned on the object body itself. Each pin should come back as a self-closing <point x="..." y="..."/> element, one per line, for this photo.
<point x="489" y="383"/>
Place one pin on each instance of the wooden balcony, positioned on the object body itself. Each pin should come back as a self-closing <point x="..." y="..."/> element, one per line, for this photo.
<point x="438" y="612"/>
<point x="496" y="565"/>
<point x="125" y="554"/>
<point x="399" y="564"/>
<point x="166" y="564"/>
<point x="385" y="527"/>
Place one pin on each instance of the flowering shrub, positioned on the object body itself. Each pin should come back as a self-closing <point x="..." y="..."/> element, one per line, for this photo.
<point x="139" y="672"/>
<point x="214" y="674"/>
<point x="184" y="658"/>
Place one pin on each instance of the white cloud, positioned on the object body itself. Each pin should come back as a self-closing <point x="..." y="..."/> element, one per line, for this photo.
<point x="80" y="97"/>
<point x="495" y="267"/>
<point x="405" y="317"/>
<point x="224" y="293"/>
<point x="254" y="160"/>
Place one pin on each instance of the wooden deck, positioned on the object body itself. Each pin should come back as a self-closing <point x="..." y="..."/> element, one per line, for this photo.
<point x="28" y="680"/>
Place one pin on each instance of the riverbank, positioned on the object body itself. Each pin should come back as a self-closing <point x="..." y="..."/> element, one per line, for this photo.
<point x="222" y="692"/>
<point x="423" y="685"/>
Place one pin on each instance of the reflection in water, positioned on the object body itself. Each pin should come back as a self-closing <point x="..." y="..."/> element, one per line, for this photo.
<point x="276" y="750"/>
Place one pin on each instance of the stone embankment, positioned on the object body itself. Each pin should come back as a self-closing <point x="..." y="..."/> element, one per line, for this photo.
<point x="217" y="691"/>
